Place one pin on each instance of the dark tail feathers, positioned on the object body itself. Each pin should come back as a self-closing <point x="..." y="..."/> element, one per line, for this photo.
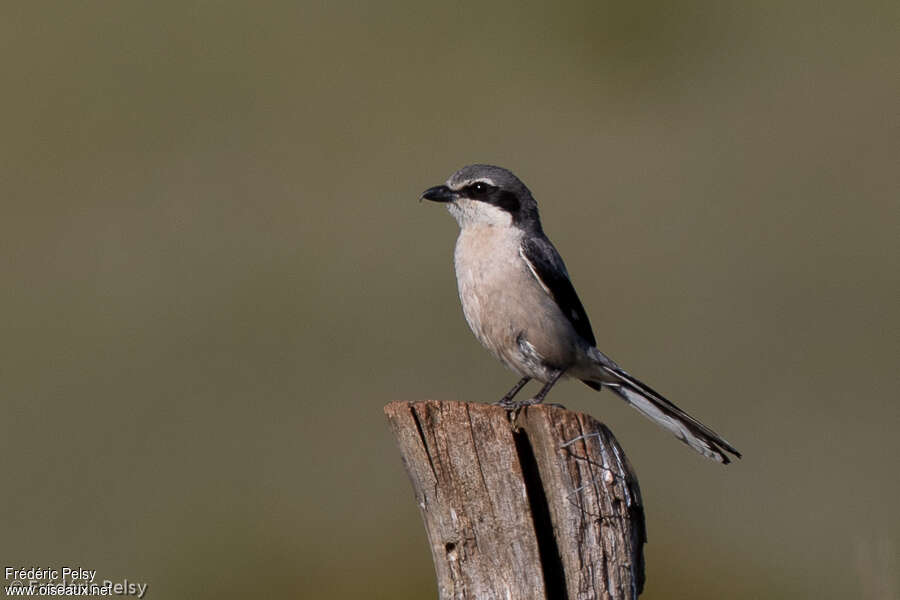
<point x="652" y="404"/>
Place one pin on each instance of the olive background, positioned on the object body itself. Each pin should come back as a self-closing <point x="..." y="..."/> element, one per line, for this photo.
<point x="215" y="272"/>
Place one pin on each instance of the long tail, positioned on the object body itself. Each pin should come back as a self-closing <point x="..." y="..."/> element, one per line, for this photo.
<point x="651" y="403"/>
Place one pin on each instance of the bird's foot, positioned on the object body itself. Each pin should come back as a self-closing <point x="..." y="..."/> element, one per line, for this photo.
<point x="516" y="405"/>
<point x="510" y="404"/>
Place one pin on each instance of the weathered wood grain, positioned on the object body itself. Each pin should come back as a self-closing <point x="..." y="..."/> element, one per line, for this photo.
<point x="539" y="504"/>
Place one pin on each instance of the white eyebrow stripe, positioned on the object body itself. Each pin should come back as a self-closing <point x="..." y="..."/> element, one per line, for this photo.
<point x="468" y="182"/>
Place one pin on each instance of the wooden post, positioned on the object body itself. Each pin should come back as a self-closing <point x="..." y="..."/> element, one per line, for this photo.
<point x="539" y="504"/>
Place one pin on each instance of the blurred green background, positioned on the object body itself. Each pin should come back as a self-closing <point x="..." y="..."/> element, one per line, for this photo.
<point x="215" y="273"/>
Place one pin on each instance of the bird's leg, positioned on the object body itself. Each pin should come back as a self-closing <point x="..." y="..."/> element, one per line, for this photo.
<point x="541" y="394"/>
<point x="507" y="399"/>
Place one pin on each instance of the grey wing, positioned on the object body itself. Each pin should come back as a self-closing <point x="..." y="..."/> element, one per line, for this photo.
<point x="549" y="269"/>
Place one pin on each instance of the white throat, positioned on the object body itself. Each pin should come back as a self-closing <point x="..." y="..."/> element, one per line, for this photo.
<point x="472" y="213"/>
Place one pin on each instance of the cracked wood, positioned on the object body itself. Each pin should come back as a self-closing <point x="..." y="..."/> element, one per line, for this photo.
<point x="542" y="504"/>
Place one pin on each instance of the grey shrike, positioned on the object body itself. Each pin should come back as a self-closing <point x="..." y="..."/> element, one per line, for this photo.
<point x="519" y="302"/>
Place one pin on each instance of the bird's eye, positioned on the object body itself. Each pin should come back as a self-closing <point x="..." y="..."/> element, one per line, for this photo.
<point x="479" y="187"/>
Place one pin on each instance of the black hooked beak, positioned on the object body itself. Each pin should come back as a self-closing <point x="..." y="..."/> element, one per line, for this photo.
<point x="439" y="193"/>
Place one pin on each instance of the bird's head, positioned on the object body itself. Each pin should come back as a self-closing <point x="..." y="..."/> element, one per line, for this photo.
<point x="484" y="195"/>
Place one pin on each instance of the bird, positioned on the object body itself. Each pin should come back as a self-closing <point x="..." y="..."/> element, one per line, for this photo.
<point x="519" y="301"/>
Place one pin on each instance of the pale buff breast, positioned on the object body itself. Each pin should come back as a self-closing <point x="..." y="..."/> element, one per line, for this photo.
<point x="504" y="305"/>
